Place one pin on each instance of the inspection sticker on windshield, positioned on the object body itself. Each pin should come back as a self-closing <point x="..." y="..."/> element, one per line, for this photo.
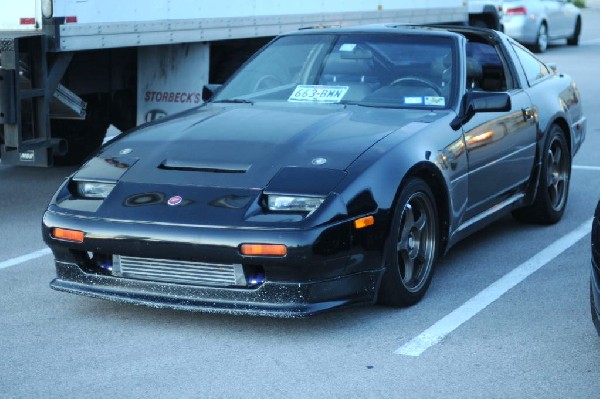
<point x="318" y="94"/>
<point x="439" y="101"/>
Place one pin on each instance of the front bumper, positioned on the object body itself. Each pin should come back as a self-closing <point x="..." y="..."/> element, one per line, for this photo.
<point x="270" y="299"/>
<point x="326" y="266"/>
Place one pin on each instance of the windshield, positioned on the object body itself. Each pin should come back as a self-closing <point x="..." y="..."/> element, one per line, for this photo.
<point x="388" y="70"/>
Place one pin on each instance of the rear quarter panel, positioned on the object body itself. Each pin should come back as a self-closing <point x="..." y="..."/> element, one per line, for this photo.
<point x="556" y="99"/>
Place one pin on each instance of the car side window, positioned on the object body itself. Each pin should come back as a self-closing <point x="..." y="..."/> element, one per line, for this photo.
<point x="486" y="69"/>
<point x="534" y="69"/>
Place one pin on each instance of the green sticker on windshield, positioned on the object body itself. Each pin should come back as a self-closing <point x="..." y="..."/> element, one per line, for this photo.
<point x="437" y="101"/>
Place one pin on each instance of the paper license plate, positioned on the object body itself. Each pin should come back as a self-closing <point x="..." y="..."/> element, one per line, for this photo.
<point x="318" y="94"/>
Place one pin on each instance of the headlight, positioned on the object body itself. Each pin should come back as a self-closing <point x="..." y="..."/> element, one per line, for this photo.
<point x="96" y="190"/>
<point x="287" y="203"/>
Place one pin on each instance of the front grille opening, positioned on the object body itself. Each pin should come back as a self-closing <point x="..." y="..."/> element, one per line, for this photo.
<point x="174" y="271"/>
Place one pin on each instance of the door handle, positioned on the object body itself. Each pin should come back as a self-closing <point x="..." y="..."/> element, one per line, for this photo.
<point x="528" y="114"/>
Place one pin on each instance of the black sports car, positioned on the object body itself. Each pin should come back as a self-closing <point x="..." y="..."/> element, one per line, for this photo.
<point x="333" y="168"/>
<point x="595" y="276"/>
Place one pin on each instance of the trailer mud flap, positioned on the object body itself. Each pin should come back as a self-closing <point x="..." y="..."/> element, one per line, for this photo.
<point x="170" y="79"/>
<point x="37" y="157"/>
<point x="8" y="109"/>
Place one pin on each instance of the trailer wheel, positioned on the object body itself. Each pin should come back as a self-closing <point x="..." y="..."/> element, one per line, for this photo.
<point x="123" y="109"/>
<point x="480" y="23"/>
<point x="83" y="137"/>
<point x="1" y="139"/>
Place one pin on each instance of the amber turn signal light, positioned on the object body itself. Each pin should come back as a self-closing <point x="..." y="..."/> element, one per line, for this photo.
<point x="67" y="235"/>
<point x="364" y="222"/>
<point x="263" y="249"/>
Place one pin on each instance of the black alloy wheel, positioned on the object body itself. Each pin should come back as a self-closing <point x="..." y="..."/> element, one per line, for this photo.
<point x="553" y="188"/>
<point x="412" y="247"/>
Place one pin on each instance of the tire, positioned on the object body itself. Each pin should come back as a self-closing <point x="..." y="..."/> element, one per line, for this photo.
<point x="541" y="43"/>
<point x="480" y="23"/>
<point x="593" y="311"/>
<point x="553" y="188"/>
<point x="1" y="141"/>
<point x="574" y="40"/>
<point x="412" y="246"/>
<point x="83" y="136"/>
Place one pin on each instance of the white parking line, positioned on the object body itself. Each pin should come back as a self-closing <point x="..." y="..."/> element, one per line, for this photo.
<point x="582" y="167"/>
<point x="25" y="258"/>
<point x="456" y="318"/>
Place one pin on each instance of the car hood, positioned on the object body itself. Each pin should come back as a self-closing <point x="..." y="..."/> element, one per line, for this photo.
<point x="245" y="145"/>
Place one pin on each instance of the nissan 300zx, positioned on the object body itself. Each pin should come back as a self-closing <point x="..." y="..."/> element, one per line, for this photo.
<point x="333" y="168"/>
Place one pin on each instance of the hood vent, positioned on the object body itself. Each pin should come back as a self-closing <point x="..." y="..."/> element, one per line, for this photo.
<point x="197" y="166"/>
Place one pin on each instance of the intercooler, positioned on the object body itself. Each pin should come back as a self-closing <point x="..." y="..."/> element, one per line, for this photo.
<point x="177" y="271"/>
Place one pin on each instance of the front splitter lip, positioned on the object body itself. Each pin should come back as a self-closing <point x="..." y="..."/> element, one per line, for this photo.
<point x="274" y="299"/>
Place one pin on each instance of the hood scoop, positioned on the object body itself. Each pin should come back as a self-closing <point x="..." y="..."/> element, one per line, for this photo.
<point x="197" y="166"/>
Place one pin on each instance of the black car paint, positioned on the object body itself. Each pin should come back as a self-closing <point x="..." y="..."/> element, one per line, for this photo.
<point x="330" y="263"/>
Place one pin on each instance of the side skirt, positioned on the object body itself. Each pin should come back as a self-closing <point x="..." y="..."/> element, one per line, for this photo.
<point x="486" y="217"/>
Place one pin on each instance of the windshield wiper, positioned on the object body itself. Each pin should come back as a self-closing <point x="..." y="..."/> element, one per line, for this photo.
<point x="234" y="101"/>
<point x="368" y="105"/>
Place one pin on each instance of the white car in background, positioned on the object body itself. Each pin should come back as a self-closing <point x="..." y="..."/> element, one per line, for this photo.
<point x="536" y="22"/>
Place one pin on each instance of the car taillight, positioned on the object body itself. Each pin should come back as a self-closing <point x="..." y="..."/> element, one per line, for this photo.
<point x="517" y="11"/>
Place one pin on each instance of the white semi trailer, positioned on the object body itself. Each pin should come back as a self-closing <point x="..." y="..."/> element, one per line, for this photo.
<point x="70" y="68"/>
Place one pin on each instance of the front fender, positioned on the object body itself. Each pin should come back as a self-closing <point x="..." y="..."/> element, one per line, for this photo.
<point x="435" y="153"/>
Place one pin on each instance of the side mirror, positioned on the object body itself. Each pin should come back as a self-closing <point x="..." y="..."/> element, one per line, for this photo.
<point x="553" y="67"/>
<point x="480" y="101"/>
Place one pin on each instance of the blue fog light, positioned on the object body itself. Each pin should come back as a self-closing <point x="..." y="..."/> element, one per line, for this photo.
<point x="255" y="279"/>
<point x="103" y="262"/>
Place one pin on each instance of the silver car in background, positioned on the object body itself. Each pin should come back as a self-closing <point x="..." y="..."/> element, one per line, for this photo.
<point x="536" y="22"/>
